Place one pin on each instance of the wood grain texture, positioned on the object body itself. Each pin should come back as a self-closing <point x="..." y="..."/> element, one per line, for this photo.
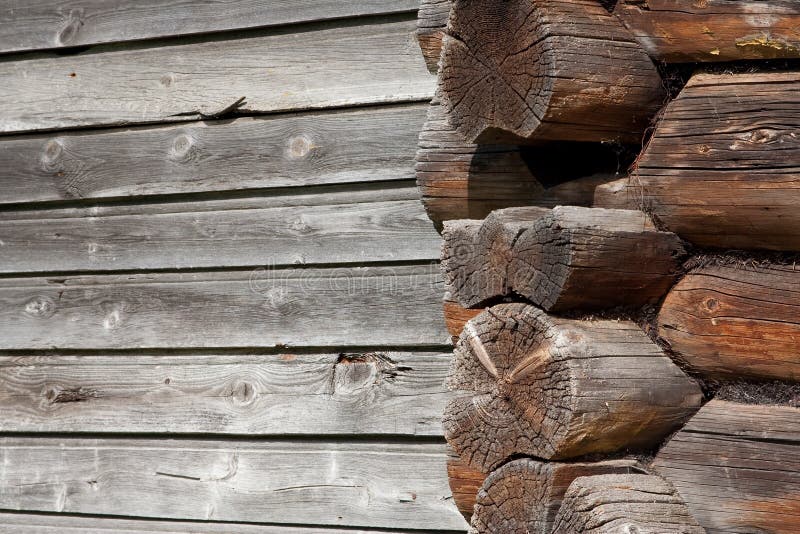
<point x="288" y="394"/>
<point x="735" y="321"/>
<point x="341" y="66"/>
<point x="251" y="308"/>
<point x="532" y="385"/>
<point x="456" y="316"/>
<point x="621" y="504"/>
<point x="738" y="468"/>
<point x="176" y="237"/>
<point x="350" y="484"/>
<point x="523" y="496"/>
<point x="462" y="180"/>
<point x="464" y="483"/>
<point x="681" y="31"/>
<point x="273" y="152"/>
<point x="721" y="169"/>
<point x="431" y="25"/>
<point x="545" y="70"/>
<point x="592" y="258"/>
<point x="22" y="523"/>
<point x="39" y="24"/>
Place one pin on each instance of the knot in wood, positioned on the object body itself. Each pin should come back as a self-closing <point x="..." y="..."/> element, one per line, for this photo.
<point x="51" y="156"/>
<point x="40" y="307"/>
<point x="73" y="24"/>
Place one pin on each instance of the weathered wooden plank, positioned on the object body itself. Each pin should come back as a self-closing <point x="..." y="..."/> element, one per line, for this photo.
<point x="368" y="306"/>
<point x="721" y="168"/>
<point x="23" y="523"/>
<point x="401" y="485"/>
<point x="734" y="321"/>
<point x="431" y="24"/>
<point x="39" y="24"/>
<point x="317" y="148"/>
<point x="295" y="394"/>
<point x="738" y="468"/>
<point x="178" y="237"/>
<point x="323" y="67"/>
<point x="680" y="31"/>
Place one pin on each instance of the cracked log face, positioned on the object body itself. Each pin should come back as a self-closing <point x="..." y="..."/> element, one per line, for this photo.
<point x="736" y="321"/>
<point x="591" y="258"/>
<point x="523" y="496"/>
<point x="552" y="388"/>
<point x="523" y="71"/>
<point x="623" y="504"/>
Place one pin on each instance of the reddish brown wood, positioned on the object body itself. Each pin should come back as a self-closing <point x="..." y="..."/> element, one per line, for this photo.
<point x="679" y="31"/>
<point x="530" y="384"/>
<point x="464" y="483"/>
<point x="735" y="319"/>
<point x="431" y="24"/>
<point x="532" y="70"/>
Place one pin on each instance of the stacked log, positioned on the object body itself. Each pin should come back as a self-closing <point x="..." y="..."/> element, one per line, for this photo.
<point x="585" y="336"/>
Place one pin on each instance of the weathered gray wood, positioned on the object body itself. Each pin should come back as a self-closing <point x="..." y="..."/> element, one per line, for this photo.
<point x="313" y="394"/>
<point x="178" y="237"/>
<point x="721" y="169"/>
<point x="22" y="523"/>
<point x="400" y="485"/>
<point x="349" y="146"/>
<point x="738" y="468"/>
<point x="686" y="31"/>
<point x="41" y="24"/>
<point x="591" y="258"/>
<point x="730" y="320"/>
<point x="369" y="306"/>
<point x="533" y="385"/>
<point x="623" y="504"/>
<point x="431" y="23"/>
<point x="327" y="67"/>
<point x="523" y="496"/>
<point x="545" y="70"/>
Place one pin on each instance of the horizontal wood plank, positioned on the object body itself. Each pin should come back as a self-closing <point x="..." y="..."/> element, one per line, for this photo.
<point x="295" y="394"/>
<point x="319" y="68"/>
<point x="370" y="306"/>
<point x="341" y="232"/>
<point x="41" y="24"/>
<point x="340" y="484"/>
<point x="317" y="148"/>
<point x="22" y="523"/>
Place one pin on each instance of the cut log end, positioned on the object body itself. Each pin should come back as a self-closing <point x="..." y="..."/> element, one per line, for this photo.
<point x="549" y="388"/>
<point x="623" y="504"/>
<point x="524" y="496"/>
<point x="521" y="71"/>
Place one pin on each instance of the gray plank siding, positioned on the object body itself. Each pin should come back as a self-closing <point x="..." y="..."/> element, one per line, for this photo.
<point x="320" y="234"/>
<point x="336" y="483"/>
<point x="271" y="152"/>
<point x="375" y="393"/>
<point x="45" y="24"/>
<point x="325" y="67"/>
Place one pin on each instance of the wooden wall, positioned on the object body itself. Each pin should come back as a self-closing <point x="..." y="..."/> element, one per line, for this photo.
<point x="219" y="299"/>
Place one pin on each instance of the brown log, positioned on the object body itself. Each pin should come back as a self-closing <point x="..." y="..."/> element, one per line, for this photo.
<point x="456" y="316"/>
<point x="534" y="385"/>
<point x="681" y="31"/>
<point x="623" y="504"/>
<point x="736" y="320"/>
<point x="531" y="70"/>
<point x="722" y="167"/>
<point x="476" y="257"/>
<point x="524" y="496"/>
<point x="738" y="468"/>
<point x="594" y="258"/>
<point x="464" y="483"/>
<point x="431" y="24"/>
<point x="461" y="180"/>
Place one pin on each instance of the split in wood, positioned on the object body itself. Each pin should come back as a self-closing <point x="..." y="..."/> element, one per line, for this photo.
<point x="623" y="504"/>
<point x="524" y="71"/>
<point x="530" y="384"/>
<point x="721" y="168"/>
<point x="523" y="496"/>
<point x="560" y="259"/>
